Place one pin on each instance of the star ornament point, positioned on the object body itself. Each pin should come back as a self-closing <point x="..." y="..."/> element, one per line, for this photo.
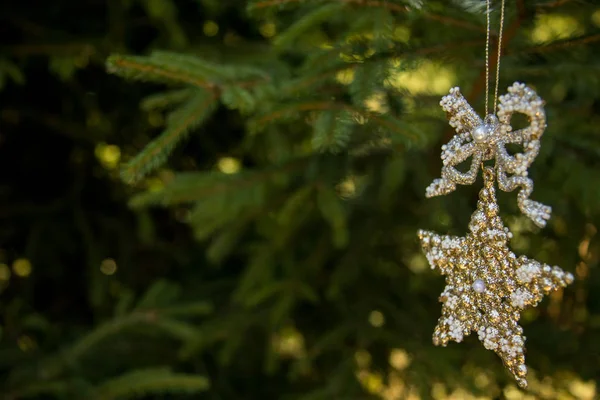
<point x="488" y="286"/>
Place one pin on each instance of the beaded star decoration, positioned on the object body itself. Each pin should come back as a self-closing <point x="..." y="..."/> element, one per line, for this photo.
<point x="487" y="286"/>
<point x="487" y="139"/>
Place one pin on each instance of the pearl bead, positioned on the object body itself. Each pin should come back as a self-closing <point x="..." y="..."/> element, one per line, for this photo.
<point x="480" y="133"/>
<point x="479" y="286"/>
<point x="522" y="369"/>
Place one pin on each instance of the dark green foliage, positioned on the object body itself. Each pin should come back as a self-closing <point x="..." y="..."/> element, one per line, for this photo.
<point x="237" y="186"/>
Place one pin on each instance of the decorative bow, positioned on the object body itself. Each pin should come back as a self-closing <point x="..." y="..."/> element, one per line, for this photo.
<point x="486" y="139"/>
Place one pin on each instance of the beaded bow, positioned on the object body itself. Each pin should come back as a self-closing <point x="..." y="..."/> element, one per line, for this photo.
<point x="487" y="139"/>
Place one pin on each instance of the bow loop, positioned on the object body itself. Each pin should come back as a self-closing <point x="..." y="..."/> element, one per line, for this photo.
<point x="524" y="100"/>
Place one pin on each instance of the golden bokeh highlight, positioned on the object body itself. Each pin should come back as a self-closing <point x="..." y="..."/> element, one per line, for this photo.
<point x="347" y="187"/>
<point x="550" y="27"/>
<point x="210" y="28"/>
<point x="428" y="78"/>
<point x="376" y="318"/>
<point x="22" y="267"/>
<point x="268" y="29"/>
<point x="399" y="359"/>
<point x="376" y="103"/>
<point x="401" y="34"/>
<point x="345" y="76"/>
<point x="289" y="342"/>
<point x="109" y="155"/>
<point x="229" y="165"/>
<point x="108" y="266"/>
<point x="26" y="343"/>
<point x="596" y="17"/>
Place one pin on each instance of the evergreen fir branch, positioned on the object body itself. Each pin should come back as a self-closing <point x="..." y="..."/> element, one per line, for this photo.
<point x="334" y="212"/>
<point x="147" y="69"/>
<point x="447" y="20"/>
<point x="208" y="186"/>
<point x="402" y="131"/>
<point x="362" y="3"/>
<point x="216" y="73"/>
<point x="161" y="101"/>
<point x="192" y="309"/>
<point x="331" y="131"/>
<point x="180" y="122"/>
<point x="153" y="318"/>
<point x="237" y="98"/>
<point x="293" y="109"/>
<point x="293" y="204"/>
<point x="33" y="389"/>
<point x="161" y="293"/>
<point x="560" y="45"/>
<point x="8" y="70"/>
<point x="307" y="22"/>
<point x="553" y="4"/>
<point x="83" y="345"/>
<point x="368" y="78"/>
<point x="219" y="330"/>
<point x="306" y="84"/>
<point x="388" y="5"/>
<point x="145" y="382"/>
<point x="179" y="330"/>
<point x="224" y="242"/>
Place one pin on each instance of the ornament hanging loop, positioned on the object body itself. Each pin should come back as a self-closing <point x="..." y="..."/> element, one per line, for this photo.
<point x="487" y="56"/>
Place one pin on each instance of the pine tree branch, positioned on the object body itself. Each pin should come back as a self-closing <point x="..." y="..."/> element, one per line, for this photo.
<point x="366" y="3"/>
<point x="325" y="105"/>
<point x="116" y="63"/>
<point x="110" y="328"/>
<point x="385" y="5"/>
<point x="456" y="22"/>
<point x="560" y="45"/>
<point x="151" y="381"/>
<point x="156" y="152"/>
<point x="440" y="49"/>
<point x="60" y="49"/>
<point x="196" y="194"/>
<point x="554" y="4"/>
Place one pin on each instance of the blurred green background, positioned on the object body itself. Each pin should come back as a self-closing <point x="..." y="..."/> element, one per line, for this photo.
<point x="242" y="225"/>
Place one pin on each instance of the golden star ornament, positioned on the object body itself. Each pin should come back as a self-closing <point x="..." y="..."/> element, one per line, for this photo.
<point x="488" y="286"/>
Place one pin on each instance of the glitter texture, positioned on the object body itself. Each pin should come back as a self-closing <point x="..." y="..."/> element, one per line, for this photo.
<point x="487" y="139"/>
<point x="511" y="283"/>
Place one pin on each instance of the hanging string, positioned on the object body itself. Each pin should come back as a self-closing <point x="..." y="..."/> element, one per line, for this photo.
<point x="499" y="53"/>
<point x="487" y="55"/>
<point x="487" y="58"/>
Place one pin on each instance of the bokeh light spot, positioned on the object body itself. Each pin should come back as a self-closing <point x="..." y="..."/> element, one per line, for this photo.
<point x="228" y="165"/>
<point x="376" y="318"/>
<point x="109" y="155"/>
<point x="550" y="27"/>
<point x="596" y="17"/>
<point x="210" y="28"/>
<point x="399" y="359"/>
<point x="26" y="343"/>
<point x="268" y="29"/>
<point x="345" y="76"/>
<point x="22" y="267"/>
<point x="108" y="266"/>
<point x="428" y="78"/>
